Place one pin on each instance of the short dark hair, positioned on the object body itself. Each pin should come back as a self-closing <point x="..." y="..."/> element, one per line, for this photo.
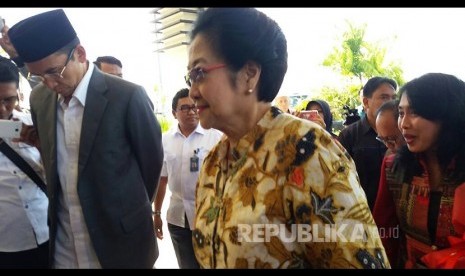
<point x="68" y="47"/>
<point x="183" y="93"/>
<point x="373" y="84"/>
<point x="8" y="71"/>
<point x="392" y="105"/>
<point x="109" y="60"/>
<point x="240" y="35"/>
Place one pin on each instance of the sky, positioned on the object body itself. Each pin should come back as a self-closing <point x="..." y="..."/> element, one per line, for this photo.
<point x="421" y="40"/>
<point x="121" y="32"/>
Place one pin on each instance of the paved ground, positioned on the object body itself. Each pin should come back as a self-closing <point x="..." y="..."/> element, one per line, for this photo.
<point x="167" y="258"/>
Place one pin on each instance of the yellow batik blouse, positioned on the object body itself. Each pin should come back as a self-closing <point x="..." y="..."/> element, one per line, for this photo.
<point x="287" y="196"/>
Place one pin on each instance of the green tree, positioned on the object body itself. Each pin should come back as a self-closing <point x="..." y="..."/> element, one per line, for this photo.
<point x="360" y="59"/>
<point x="165" y="123"/>
<point x="160" y="101"/>
<point x="337" y="99"/>
<point x="357" y="60"/>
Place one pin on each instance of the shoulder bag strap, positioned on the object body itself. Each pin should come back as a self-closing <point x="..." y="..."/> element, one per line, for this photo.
<point x="22" y="164"/>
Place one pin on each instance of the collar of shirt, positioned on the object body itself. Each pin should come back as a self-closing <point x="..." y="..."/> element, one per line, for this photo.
<point x="199" y="129"/>
<point x="365" y="125"/>
<point x="23" y="117"/>
<point x="81" y="90"/>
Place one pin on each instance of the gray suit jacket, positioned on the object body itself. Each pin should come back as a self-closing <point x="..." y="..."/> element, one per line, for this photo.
<point x="120" y="159"/>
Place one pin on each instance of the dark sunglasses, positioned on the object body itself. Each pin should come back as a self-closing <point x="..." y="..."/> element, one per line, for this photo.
<point x="186" y="108"/>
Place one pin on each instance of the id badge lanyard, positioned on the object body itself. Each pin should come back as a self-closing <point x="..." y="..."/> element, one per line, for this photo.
<point x="195" y="161"/>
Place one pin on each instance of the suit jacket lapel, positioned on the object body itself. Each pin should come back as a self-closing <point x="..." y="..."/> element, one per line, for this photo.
<point x="46" y="115"/>
<point x="93" y="112"/>
<point x="51" y="129"/>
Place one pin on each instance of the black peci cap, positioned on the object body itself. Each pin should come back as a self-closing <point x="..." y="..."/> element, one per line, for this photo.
<point x="41" y="35"/>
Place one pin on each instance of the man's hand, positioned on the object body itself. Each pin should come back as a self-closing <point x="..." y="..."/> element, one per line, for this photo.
<point x="158" y="225"/>
<point x="6" y="44"/>
<point x="29" y="136"/>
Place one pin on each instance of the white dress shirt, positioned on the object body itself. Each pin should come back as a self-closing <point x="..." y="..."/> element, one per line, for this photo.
<point x="178" y="150"/>
<point x="73" y="247"/>
<point x="23" y="205"/>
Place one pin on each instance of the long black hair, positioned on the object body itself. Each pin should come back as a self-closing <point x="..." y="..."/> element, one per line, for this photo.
<point x="440" y="98"/>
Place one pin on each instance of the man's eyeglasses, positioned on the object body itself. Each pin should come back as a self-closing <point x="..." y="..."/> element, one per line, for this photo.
<point x="198" y="73"/>
<point x="186" y="108"/>
<point x="51" y="75"/>
<point x="387" y="140"/>
<point x="10" y="101"/>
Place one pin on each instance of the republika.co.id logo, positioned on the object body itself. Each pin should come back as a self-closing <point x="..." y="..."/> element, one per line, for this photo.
<point x="309" y="232"/>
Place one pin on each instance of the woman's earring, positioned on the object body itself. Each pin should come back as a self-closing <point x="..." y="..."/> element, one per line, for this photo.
<point x="250" y="90"/>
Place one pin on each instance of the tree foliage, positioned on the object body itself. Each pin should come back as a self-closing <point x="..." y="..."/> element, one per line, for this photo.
<point x="357" y="60"/>
<point x="337" y="99"/>
<point x="360" y="59"/>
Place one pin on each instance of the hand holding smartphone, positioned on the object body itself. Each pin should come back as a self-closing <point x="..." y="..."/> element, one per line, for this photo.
<point x="310" y="115"/>
<point x="2" y="24"/>
<point x="10" y="129"/>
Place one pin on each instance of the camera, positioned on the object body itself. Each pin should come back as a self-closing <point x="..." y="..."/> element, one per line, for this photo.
<point x="2" y="23"/>
<point x="350" y="115"/>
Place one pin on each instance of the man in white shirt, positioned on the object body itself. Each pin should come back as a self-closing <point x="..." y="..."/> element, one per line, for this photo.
<point x="23" y="205"/>
<point x="184" y="146"/>
<point x="101" y="149"/>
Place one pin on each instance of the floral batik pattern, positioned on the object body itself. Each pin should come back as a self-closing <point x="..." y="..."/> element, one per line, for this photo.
<point x="286" y="196"/>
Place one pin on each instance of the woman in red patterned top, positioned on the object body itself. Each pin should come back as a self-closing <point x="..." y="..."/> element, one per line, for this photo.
<point x="418" y="184"/>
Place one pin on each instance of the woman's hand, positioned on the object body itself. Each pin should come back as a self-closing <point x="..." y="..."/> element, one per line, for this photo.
<point x="317" y="119"/>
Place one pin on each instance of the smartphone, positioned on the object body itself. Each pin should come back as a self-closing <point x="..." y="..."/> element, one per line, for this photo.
<point x="10" y="129"/>
<point x="309" y="114"/>
<point x="313" y="114"/>
<point x="2" y="24"/>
